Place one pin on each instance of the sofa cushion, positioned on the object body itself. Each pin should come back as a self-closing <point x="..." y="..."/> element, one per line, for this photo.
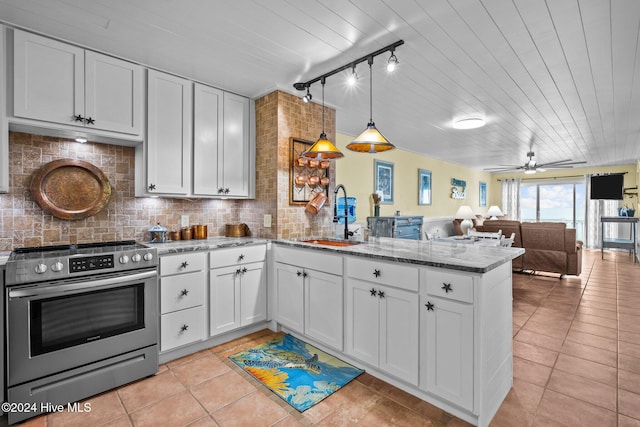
<point x="544" y="235"/>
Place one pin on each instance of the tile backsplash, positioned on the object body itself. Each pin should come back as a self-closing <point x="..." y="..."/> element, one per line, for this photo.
<point x="23" y="223"/>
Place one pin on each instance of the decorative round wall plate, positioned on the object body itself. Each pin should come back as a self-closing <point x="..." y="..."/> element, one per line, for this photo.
<point x="70" y="189"/>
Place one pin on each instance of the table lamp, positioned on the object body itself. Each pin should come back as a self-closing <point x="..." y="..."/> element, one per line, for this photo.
<point x="466" y="214"/>
<point x="494" y="212"/>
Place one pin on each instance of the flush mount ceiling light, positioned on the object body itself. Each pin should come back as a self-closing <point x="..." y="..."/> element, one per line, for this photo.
<point x="392" y="63"/>
<point x="469" y="123"/>
<point x="323" y="148"/>
<point x="371" y="140"/>
<point x="308" y="97"/>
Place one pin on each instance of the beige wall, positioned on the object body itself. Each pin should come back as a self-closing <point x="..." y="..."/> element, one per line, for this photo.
<point x="355" y="171"/>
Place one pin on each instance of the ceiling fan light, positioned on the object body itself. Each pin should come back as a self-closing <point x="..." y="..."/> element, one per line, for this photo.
<point x="469" y="123"/>
<point x="529" y="171"/>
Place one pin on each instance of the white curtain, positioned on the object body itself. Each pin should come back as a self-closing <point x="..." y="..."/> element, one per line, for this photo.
<point x="511" y="198"/>
<point x="595" y="210"/>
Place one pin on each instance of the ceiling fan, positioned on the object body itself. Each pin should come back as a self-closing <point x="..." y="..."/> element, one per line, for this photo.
<point x="531" y="166"/>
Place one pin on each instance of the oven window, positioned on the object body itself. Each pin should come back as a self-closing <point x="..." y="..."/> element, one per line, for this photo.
<point x="62" y="322"/>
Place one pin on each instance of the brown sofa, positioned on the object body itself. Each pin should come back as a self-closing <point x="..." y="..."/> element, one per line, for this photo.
<point x="549" y="246"/>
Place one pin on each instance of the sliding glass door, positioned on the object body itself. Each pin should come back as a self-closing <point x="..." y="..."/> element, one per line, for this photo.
<point x="554" y="201"/>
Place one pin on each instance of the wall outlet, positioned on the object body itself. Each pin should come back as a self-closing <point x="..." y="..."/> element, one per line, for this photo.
<point x="267" y="220"/>
<point x="184" y="220"/>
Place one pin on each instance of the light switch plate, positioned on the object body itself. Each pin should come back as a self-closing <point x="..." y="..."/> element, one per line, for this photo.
<point x="267" y="220"/>
<point x="184" y="220"/>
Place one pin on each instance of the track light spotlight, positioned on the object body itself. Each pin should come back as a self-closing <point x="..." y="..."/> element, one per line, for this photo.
<point x="392" y="63"/>
<point x="308" y="97"/>
<point x="353" y="77"/>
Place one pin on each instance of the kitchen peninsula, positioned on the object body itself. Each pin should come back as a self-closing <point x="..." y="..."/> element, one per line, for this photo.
<point x="432" y="318"/>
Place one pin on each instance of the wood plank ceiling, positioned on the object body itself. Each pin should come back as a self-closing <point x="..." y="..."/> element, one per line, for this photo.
<point x="560" y="77"/>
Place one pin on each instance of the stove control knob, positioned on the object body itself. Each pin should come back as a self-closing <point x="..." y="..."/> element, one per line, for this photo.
<point x="136" y="258"/>
<point x="124" y="259"/>
<point x="58" y="266"/>
<point x="148" y="256"/>
<point x="41" y="268"/>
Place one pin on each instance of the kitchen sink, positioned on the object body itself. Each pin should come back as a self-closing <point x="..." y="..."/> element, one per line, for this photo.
<point x="330" y="242"/>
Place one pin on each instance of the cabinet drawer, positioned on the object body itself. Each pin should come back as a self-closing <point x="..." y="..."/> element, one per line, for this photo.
<point x="449" y="285"/>
<point x="182" y="327"/>
<point x="232" y="256"/>
<point x="182" y="263"/>
<point x="397" y="275"/>
<point x="182" y="291"/>
<point x="309" y="258"/>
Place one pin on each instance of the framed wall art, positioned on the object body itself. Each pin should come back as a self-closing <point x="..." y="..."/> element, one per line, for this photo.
<point x="383" y="180"/>
<point x="307" y="177"/>
<point x="424" y="187"/>
<point x="483" y="193"/>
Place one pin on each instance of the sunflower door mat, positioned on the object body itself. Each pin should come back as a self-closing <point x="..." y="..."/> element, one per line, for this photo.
<point x="301" y="374"/>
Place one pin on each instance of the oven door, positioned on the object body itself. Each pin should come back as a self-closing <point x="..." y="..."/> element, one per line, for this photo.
<point x="52" y="327"/>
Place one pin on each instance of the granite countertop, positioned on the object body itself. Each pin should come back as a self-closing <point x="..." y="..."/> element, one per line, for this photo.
<point x="179" y="246"/>
<point x="441" y="254"/>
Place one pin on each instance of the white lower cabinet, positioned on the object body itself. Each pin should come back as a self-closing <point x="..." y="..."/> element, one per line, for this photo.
<point x="447" y="349"/>
<point x="182" y="311"/>
<point x="237" y="289"/>
<point x="309" y="294"/>
<point x="382" y="321"/>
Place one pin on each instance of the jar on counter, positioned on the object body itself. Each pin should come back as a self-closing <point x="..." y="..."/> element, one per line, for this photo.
<point x="185" y="233"/>
<point x="157" y="234"/>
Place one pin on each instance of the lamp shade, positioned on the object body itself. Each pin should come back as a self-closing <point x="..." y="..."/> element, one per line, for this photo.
<point x="323" y="149"/>
<point x="465" y="212"/>
<point x="370" y="141"/>
<point x="494" y="212"/>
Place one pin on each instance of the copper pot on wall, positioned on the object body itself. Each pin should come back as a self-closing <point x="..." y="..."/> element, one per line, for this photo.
<point x="236" y="230"/>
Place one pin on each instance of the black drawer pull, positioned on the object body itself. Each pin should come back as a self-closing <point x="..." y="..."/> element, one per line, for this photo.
<point x="376" y="272"/>
<point x="184" y="293"/>
<point x="446" y="287"/>
<point x="183" y="328"/>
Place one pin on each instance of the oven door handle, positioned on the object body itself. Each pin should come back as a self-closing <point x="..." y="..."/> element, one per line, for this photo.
<point x="93" y="284"/>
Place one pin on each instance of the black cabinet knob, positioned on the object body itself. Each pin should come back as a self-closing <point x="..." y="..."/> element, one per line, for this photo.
<point x="298" y="273"/>
<point x="89" y="121"/>
<point x="244" y="270"/>
<point x="78" y="118"/>
<point x="429" y="306"/>
<point x="376" y="272"/>
<point x="184" y="264"/>
<point x="373" y="292"/>
<point x="241" y="257"/>
<point x="183" y="328"/>
<point x="184" y="293"/>
<point x="446" y="287"/>
<point x="152" y="187"/>
<point x="381" y="294"/>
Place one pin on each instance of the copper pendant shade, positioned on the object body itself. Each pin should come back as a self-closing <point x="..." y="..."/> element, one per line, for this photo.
<point x="370" y="140"/>
<point x="323" y="149"/>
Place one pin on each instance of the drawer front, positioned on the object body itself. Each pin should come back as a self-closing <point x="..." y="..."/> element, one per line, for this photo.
<point x="182" y="327"/>
<point x="408" y="232"/>
<point x="309" y="258"/>
<point x="182" y="291"/>
<point x="449" y="285"/>
<point x="397" y="275"/>
<point x="238" y="255"/>
<point x="187" y="262"/>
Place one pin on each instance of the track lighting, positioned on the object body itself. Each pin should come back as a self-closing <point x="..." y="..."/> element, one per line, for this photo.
<point x="308" y="97"/>
<point x="392" y="63"/>
<point x="353" y="77"/>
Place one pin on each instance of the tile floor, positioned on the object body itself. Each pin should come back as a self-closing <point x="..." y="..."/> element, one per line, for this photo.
<point x="576" y="363"/>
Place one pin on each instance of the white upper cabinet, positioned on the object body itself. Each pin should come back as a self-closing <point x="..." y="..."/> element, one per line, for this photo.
<point x="168" y="145"/>
<point x="63" y="84"/>
<point x="222" y="156"/>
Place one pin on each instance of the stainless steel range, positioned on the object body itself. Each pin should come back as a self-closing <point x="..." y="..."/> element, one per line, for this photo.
<point x="81" y="319"/>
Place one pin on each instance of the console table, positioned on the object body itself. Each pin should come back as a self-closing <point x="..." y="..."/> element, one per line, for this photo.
<point x="629" y="244"/>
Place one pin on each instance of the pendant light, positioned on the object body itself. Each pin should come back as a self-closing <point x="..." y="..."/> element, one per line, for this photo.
<point x="323" y="148"/>
<point x="371" y="140"/>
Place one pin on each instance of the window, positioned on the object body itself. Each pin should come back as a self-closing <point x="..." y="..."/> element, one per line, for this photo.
<point x="554" y="201"/>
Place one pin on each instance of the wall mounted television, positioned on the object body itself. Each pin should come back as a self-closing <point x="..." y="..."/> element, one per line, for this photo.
<point x="607" y="187"/>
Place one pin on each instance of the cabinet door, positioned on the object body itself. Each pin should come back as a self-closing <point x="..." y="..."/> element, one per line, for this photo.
<point x="323" y="308"/>
<point x="48" y="80"/>
<point x="362" y="317"/>
<point x="113" y="94"/>
<point x="224" y="300"/>
<point x="447" y="349"/>
<point x="399" y="319"/>
<point x="168" y="153"/>
<point x="253" y="294"/>
<point x="289" y="294"/>
<point x="207" y="140"/>
<point x="235" y="169"/>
